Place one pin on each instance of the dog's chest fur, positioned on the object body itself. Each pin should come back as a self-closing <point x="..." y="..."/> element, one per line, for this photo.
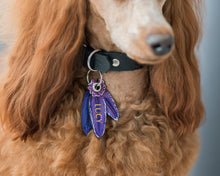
<point x="138" y="144"/>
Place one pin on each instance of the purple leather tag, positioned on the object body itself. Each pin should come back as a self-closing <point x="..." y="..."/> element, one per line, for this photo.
<point x="86" y="122"/>
<point x="97" y="110"/>
<point x="97" y="103"/>
<point x="111" y="108"/>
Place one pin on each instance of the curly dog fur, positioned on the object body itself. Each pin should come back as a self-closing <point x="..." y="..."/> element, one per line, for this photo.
<point x="40" y="101"/>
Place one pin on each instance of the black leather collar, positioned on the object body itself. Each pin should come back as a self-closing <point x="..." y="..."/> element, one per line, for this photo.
<point x="104" y="61"/>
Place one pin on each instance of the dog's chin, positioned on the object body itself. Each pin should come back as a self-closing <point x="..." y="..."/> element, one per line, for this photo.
<point x="149" y="60"/>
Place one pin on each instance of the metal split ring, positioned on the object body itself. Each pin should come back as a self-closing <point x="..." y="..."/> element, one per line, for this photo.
<point x="99" y="74"/>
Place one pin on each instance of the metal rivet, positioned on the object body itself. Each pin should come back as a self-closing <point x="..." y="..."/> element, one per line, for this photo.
<point x="116" y="62"/>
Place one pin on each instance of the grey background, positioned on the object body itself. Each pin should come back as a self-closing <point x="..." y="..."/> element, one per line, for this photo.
<point x="208" y="163"/>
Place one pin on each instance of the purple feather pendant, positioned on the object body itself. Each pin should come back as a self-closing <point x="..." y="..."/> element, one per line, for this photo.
<point x="97" y="104"/>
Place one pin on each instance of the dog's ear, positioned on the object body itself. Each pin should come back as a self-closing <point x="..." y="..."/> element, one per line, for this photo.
<point x="43" y="62"/>
<point x="176" y="82"/>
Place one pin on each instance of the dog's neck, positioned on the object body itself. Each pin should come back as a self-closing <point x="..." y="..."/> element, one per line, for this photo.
<point x="125" y="86"/>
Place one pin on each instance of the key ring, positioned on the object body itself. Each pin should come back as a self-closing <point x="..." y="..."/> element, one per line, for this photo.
<point x="99" y="74"/>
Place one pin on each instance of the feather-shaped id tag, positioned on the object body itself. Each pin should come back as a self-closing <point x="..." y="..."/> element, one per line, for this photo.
<point x="97" y="104"/>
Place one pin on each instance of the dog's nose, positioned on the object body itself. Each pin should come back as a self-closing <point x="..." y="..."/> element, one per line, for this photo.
<point x="160" y="44"/>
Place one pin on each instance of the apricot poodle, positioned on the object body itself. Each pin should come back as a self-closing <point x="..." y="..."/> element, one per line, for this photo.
<point x="154" y="81"/>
